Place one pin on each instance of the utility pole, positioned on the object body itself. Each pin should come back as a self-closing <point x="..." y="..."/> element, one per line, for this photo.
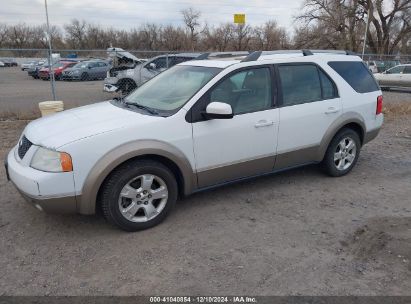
<point x="366" y="30"/>
<point x="48" y="37"/>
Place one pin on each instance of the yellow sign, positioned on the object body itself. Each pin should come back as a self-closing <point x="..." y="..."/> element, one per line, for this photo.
<point x="239" y="18"/>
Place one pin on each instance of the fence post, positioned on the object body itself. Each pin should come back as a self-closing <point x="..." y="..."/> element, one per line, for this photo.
<point x="51" y="71"/>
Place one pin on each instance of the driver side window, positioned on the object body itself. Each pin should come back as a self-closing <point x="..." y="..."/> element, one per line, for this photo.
<point x="246" y="91"/>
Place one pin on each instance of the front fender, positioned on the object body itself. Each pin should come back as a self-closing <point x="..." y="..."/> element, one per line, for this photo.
<point x="112" y="159"/>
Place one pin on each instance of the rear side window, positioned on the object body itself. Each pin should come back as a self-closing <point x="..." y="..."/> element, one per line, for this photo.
<point x="299" y="84"/>
<point x="407" y="70"/>
<point x="329" y="90"/>
<point x="356" y="74"/>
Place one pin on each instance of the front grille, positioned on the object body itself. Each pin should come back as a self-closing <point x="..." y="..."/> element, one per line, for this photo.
<point x="24" y="146"/>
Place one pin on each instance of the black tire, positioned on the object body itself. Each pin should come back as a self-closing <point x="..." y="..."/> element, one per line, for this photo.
<point x="329" y="164"/>
<point x="113" y="185"/>
<point x="84" y="76"/>
<point x="127" y="86"/>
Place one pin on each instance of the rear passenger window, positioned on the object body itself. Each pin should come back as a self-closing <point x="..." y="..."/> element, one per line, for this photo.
<point x="356" y="74"/>
<point x="299" y="84"/>
<point x="329" y="90"/>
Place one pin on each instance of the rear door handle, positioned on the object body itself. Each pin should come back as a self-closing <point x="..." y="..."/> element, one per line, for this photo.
<point x="332" y="110"/>
<point x="264" y="123"/>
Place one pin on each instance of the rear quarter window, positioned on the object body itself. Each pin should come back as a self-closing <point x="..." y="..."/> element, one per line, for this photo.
<point x="356" y="74"/>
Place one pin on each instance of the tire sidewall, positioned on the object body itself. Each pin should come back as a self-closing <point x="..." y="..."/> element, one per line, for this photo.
<point x="329" y="157"/>
<point x="127" y="174"/>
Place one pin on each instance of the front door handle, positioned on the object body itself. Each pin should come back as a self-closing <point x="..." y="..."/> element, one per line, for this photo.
<point x="264" y="123"/>
<point x="332" y="110"/>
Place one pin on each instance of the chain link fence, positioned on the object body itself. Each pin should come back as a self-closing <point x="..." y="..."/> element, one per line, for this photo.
<point x="86" y="76"/>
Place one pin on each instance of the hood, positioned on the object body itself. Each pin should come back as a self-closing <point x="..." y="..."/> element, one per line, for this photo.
<point x="68" y="126"/>
<point x="120" y="53"/>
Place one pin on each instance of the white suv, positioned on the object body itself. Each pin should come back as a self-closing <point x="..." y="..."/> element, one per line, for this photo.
<point x="198" y="125"/>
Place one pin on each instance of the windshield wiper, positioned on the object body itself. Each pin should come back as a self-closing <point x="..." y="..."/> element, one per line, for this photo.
<point x="139" y="106"/>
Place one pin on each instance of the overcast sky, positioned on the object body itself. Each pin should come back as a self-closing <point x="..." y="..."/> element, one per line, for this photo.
<point x="124" y="14"/>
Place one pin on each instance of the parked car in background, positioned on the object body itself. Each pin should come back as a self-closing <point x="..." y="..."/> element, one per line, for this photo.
<point x="34" y="69"/>
<point x="87" y="70"/>
<point x="9" y="62"/>
<point x="396" y="77"/>
<point x="28" y="64"/>
<point x="58" y="68"/>
<point x="379" y="66"/>
<point x="374" y="66"/>
<point x="127" y="80"/>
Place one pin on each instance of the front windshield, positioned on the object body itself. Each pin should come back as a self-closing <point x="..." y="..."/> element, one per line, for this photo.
<point x="58" y="65"/>
<point x="171" y="89"/>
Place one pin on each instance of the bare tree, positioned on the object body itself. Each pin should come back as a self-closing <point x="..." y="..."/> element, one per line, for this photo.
<point x="76" y="33"/>
<point x="4" y="34"/>
<point x="191" y="20"/>
<point x="242" y="37"/>
<point x="343" y="22"/>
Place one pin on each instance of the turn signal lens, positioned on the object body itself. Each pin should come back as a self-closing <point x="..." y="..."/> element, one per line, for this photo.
<point x="66" y="163"/>
<point x="379" y="105"/>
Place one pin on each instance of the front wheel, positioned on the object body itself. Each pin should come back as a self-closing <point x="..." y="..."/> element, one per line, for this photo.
<point x="342" y="153"/>
<point x="138" y="195"/>
<point x="84" y="76"/>
<point x="127" y="86"/>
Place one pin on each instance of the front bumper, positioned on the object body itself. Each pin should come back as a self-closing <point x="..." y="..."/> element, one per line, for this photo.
<point x="110" y="88"/>
<point x="110" y="84"/>
<point x="49" y="192"/>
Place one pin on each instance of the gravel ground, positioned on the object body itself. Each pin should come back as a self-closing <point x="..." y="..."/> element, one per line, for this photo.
<point x="20" y="93"/>
<point x="295" y="233"/>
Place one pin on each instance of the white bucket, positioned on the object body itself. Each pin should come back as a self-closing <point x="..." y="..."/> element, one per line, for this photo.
<point x="50" y="107"/>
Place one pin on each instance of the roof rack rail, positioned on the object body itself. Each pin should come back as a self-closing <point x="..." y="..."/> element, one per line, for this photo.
<point x="341" y="52"/>
<point x="222" y="54"/>
<point x="255" y="55"/>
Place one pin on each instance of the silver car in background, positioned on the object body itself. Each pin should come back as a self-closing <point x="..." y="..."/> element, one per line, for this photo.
<point x="87" y="70"/>
<point x="29" y="64"/>
<point x="396" y="77"/>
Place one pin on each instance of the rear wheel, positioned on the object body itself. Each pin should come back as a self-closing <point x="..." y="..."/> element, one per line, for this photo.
<point x="138" y="195"/>
<point x="342" y="153"/>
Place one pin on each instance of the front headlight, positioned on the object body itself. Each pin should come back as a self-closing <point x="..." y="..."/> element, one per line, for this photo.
<point x="51" y="161"/>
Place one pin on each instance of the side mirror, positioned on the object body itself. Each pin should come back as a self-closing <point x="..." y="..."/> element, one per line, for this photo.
<point x="218" y="110"/>
<point x="152" y="66"/>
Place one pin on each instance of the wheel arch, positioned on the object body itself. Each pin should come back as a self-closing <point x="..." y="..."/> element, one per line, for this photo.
<point x="124" y="80"/>
<point x="163" y="152"/>
<point x="350" y="120"/>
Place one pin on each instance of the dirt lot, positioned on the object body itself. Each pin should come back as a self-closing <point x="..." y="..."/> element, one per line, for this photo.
<point x="20" y="93"/>
<point x="294" y="233"/>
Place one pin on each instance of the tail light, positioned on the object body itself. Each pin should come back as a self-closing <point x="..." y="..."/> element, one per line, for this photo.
<point x="379" y="105"/>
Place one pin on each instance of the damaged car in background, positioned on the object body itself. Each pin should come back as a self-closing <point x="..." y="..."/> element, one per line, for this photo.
<point x="129" y="72"/>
